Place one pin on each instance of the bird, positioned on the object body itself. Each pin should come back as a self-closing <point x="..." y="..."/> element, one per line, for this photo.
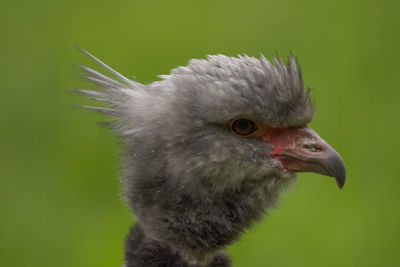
<point x="207" y="151"/>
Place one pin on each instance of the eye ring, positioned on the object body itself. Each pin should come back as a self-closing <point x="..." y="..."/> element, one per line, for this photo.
<point x="244" y="127"/>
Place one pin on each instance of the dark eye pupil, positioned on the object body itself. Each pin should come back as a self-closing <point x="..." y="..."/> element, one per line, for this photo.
<point x="243" y="127"/>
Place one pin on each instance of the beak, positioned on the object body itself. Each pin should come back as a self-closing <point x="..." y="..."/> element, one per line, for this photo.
<point x="302" y="150"/>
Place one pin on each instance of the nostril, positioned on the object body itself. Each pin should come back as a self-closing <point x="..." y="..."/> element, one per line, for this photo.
<point x="313" y="147"/>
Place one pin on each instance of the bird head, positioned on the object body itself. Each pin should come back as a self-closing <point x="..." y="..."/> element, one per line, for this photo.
<point x="221" y="122"/>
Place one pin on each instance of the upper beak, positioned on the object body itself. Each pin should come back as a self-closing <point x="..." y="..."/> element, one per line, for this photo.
<point x="302" y="150"/>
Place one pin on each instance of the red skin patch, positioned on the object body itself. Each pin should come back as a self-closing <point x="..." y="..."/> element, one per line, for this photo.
<point x="291" y="145"/>
<point x="300" y="149"/>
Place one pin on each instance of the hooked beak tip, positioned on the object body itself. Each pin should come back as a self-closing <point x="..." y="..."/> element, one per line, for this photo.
<point x="340" y="185"/>
<point x="335" y="167"/>
<point x="341" y="178"/>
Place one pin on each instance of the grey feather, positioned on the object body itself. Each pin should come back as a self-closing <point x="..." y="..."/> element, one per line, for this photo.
<point x="106" y="111"/>
<point x="129" y="82"/>
<point x="101" y="77"/>
<point x="91" y="93"/>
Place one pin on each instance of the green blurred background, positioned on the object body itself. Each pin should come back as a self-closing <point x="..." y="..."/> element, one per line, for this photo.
<point x="60" y="198"/>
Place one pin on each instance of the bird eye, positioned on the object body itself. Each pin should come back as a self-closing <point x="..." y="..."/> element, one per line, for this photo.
<point x="244" y="127"/>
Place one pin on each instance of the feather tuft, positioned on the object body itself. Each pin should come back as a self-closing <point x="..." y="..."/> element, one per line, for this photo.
<point x="129" y="82"/>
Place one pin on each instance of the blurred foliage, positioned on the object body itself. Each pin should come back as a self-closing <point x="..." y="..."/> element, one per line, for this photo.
<point x="60" y="196"/>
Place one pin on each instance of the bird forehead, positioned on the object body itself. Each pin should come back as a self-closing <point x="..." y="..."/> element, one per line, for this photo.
<point x="223" y="87"/>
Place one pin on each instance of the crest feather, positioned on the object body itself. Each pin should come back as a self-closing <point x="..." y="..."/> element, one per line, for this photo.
<point x="115" y="92"/>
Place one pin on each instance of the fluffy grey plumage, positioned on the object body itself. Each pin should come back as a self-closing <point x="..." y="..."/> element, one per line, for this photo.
<point x="193" y="185"/>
